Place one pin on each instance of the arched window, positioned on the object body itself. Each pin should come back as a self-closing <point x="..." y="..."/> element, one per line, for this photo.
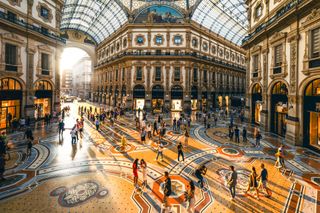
<point x="256" y="89"/>
<point x="280" y="88"/>
<point x="9" y="84"/>
<point x="313" y="88"/>
<point x="43" y="85"/>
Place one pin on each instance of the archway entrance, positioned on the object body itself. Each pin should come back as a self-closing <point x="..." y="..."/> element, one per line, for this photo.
<point x="176" y="98"/>
<point x="194" y="98"/>
<point x="76" y="74"/>
<point x="279" y="108"/>
<point x="139" y="97"/>
<point x="311" y="109"/>
<point x="10" y="101"/>
<point x="157" y="98"/>
<point x="256" y="104"/>
<point x="43" y="102"/>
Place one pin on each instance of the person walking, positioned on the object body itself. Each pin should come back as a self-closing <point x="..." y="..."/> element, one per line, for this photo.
<point x="97" y="123"/>
<point x="143" y="166"/>
<point x="263" y="179"/>
<point x="167" y="189"/>
<point x="174" y="125"/>
<point x="73" y="134"/>
<point x="61" y="127"/>
<point x="149" y="131"/>
<point x="231" y="133"/>
<point x="232" y="182"/>
<point x="143" y="136"/>
<point x="258" y="138"/>
<point x="155" y="128"/>
<point x="135" y="172"/>
<point x="237" y="134"/>
<point x="253" y="182"/>
<point x="244" y="134"/>
<point x="186" y="138"/>
<point x="29" y="146"/>
<point x="160" y="151"/>
<point x="28" y="133"/>
<point x="200" y="171"/>
<point x="280" y="158"/>
<point x="180" y="152"/>
<point x="190" y="197"/>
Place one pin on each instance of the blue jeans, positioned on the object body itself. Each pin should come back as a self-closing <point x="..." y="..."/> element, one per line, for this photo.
<point x="158" y="154"/>
<point x="232" y="189"/>
<point x="200" y="177"/>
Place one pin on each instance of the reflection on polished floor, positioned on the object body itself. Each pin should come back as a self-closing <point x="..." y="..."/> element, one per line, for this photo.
<point x="95" y="175"/>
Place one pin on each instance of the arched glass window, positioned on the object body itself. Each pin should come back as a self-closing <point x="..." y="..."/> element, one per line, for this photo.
<point x="43" y="85"/>
<point x="313" y="88"/>
<point x="280" y="88"/>
<point x="256" y="89"/>
<point x="9" y="84"/>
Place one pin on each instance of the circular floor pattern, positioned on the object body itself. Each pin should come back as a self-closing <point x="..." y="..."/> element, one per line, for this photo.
<point x="118" y="149"/>
<point x="230" y="151"/>
<point x="78" y="194"/>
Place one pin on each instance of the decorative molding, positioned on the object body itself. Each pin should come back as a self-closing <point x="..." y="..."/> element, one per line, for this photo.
<point x="136" y="39"/>
<point x="277" y="36"/>
<point x="173" y="38"/>
<point x="15" y="2"/>
<point x="314" y="16"/>
<point x="293" y="66"/>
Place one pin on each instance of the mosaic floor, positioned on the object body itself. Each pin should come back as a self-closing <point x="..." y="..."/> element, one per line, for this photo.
<point x="95" y="175"/>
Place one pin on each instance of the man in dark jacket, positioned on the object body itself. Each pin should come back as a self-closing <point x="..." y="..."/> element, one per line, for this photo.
<point x="167" y="188"/>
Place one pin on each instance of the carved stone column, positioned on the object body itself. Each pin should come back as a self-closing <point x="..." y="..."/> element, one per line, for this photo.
<point x="148" y="87"/>
<point x="29" y="103"/>
<point x="167" y="86"/>
<point x="293" y="120"/>
<point x="129" y="86"/>
<point x="264" y="112"/>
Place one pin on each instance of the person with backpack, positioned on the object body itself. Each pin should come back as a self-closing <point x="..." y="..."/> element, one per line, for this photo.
<point x="29" y="146"/>
<point x="180" y="152"/>
<point x="143" y="136"/>
<point x="200" y="171"/>
<point x="61" y="127"/>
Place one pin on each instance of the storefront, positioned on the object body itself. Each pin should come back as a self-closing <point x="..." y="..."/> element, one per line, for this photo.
<point x="123" y="95"/>
<point x="204" y="98"/>
<point x="43" y="100"/>
<point x="256" y="104"/>
<point x="176" y="98"/>
<point x="110" y="96"/>
<point x="279" y="108"/>
<point x="311" y="109"/>
<point x="194" y="98"/>
<point x="219" y="99"/>
<point x="116" y="95"/>
<point x="10" y="101"/>
<point x="157" y="98"/>
<point x="139" y="97"/>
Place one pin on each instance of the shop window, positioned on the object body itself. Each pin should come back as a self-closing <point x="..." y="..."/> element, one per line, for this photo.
<point x="313" y="88"/>
<point x="205" y="78"/>
<point x="195" y="74"/>
<point x="177" y="39"/>
<point x="158" y="74"/>
<point x="177" y="74"/>
<point x="277" y="59"/>
<point x="158" y="52"/>
<point x="11" y="57"/>
<point x="45" y="64"/>
<point x="139" y="74"/>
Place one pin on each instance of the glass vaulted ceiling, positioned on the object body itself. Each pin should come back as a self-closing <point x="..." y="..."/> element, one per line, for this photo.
<point x="100" y="18"/>
<point x="227" y="18"/>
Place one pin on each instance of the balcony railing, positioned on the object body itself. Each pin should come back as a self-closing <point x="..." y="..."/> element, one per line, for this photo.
<point x="31" y="27"/>
<point x="273" y="19"/>
<point x="153" y="54"/>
